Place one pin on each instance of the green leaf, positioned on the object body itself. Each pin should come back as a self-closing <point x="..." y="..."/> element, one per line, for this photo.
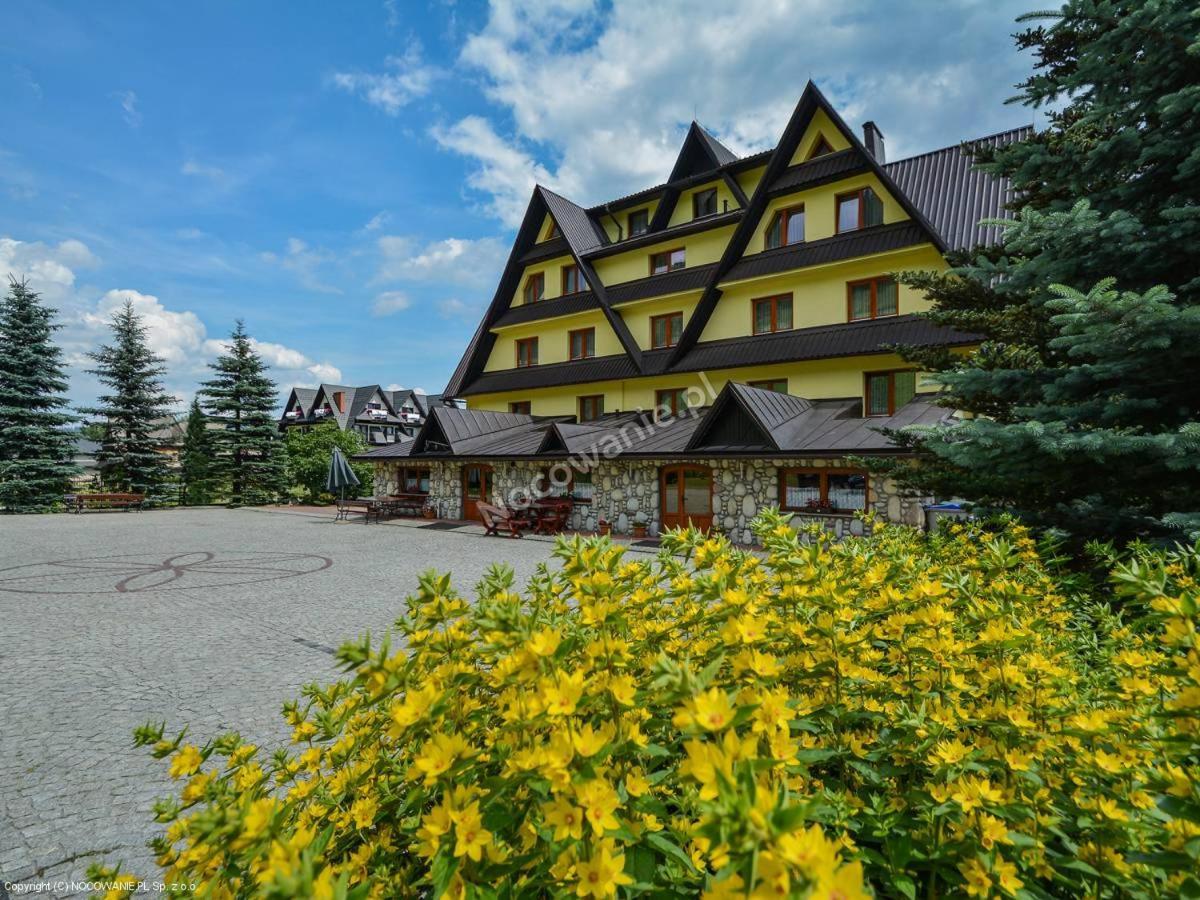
<point x="670" y="848"/>
<point x="442" y="870"/>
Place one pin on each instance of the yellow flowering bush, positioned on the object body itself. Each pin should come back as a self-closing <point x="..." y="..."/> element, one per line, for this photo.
<point x="897" y="715"/>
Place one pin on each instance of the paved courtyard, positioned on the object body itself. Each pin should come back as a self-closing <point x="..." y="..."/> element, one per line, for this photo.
<point x="209" y="618"/>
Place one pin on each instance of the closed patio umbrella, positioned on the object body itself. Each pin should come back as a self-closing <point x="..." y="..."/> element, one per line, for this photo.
<point x="340" y="476"/>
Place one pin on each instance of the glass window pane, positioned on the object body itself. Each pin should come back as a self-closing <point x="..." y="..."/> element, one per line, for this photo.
<point x="906" y="387"/>
<point x="885" y="297"/>
<point x="762" y="317"/>
<point x="795" y="227"/>
<point x="582" y="489"/>
<point x="848" y="491"/>
<point x="773" y="233"/>
<point x="697" y="493"/>
<point x="676" y="326"/>
<point x="660" y="332"/>
<point x="671" y="492"/>
<point x="801" y="489"/>
<point x="473" y="482"/>
<point x="423" y="482"/>
<point x="783" y="313"/>
<point x="860" y="301"/>
<point x="677" y="259"/>
<point x="877" y="395"/>
<point x="873" y="208"/>
<point x="848" y="213"/>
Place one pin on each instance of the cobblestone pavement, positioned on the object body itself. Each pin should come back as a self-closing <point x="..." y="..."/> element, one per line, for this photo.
<point x="208" y="618"/>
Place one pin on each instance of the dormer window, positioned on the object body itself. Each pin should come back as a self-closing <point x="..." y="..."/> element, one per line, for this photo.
<point x="787" y="227"/>
<point x="667" y="261"/>
<point x="820" y="148"/>
<point x="535" y="288"/>
<point x="572" y="281"/>
<point x="886" y="392"/>
<point x="704" y="203"/>
<point x="639" y="222"/>
<point x="858" y="209"/>
<point x="552" y="232"/>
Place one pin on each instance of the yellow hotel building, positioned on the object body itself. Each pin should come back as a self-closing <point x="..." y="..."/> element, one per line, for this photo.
<point x="711" y="345"/>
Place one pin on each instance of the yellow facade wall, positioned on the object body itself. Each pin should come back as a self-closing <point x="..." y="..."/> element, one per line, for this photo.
<point x="637" y="315"/>
<point x="820" y="209"/>
<point x="682" y="213"/>
<point x="748" y="181"/>
<point x="705" y="247"/>
<point x="821" y="125"/>
<point x="552" y="340"/>
<point x="551" y="269"/>
<point x="815" y="380"/>
<point x="818" y="292"/>
<point x="622" y="216"/>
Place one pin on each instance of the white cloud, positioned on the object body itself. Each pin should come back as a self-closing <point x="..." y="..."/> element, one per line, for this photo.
<point x="289" y="367"/>
<point x="611" y="107"/>
<point x="50" y="269"/>
<point x="404" y="79"/>
<point x="304" y="262"/>
<point x="390" y="302"/>
<point x="459" y="261"/>
<point x="326" y="373"/>
<point x="175" y="336"/>
<point x="129" y="110"/>
<point x="377" y="221"/>
<point x="394" y="387"/>
<point x="215" y="174"/>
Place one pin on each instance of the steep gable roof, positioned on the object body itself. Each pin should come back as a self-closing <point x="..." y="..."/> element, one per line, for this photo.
<point x="764" y="411"/>
<point x="701" y="152"/>
<point x="450" y="426"/>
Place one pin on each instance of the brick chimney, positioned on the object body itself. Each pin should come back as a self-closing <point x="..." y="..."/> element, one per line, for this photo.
<point x="873" y="139"/>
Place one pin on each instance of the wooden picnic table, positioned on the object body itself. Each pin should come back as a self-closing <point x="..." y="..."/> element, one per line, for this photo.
<point x="412" y="501"/>
<point x="370" y="506"/>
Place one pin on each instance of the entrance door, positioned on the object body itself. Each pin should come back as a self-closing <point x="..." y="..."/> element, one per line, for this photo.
<point x="686" y="496"/>
<point x="477" y="488"/>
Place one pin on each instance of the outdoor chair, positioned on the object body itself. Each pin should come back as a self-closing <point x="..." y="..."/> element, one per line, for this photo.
<point x="494" y="518"/>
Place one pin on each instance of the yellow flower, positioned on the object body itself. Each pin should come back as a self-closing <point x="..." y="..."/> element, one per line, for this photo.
<point x="623" y="689"/>
<point x="846" y="883"/>
<point x="1006" y="875"/>
<point x="257" y="818"/>
<point x="951" y="752"/>
<point x="711" y="711"/>
<point x="438" y="754"/>
<point x="565" y="818"/>
<point x="974" y="793"/>
<point x="599" y="802"/>
<point x="979" y="883"/>
<point x="363" y="812"/>
<point x="602" y="874"/>
<point x="560" y="697"/>
<point x="544" y="642"/>
<point x="589" y="742"/>
<point x="470" y="836"/>
<point x="187" y="760"/>
<point x="636" y="784"/>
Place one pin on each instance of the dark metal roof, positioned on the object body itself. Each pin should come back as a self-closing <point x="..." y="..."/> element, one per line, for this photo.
<point x="691" y="278"/>
<point x="577" y="226"/>
<point x="825" y="168"/>
<point x="666" y="234"/>
<point x="546" y="250"/>
<point x="398" y="450"/>
<point x="700" y="153"/>
<point x="548" y="309"/>
<point x="599" y="368"/>
<point x="864" y="241"/>
<point x="954" y="195"/>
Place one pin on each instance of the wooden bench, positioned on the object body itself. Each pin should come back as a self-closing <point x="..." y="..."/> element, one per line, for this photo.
<point x="369" y="506"/>
<point x="79" y="502"/>
<point x="412" y="504"/>
<point x="494" y="518"/>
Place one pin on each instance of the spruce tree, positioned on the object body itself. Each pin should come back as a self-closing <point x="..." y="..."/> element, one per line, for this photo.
<point x="1083" y="389"/>
<point x="128" y="458"/>
<point x="241" y="399"/>
<point x="36" y="451"/>
<point x="196" y="459"/>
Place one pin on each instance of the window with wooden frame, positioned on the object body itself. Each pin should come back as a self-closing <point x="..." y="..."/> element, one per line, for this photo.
<point x="704" y="203"/>
<point x="527" y="352"/>
<point x="639" y="222"/>
<point x="578" y="486"/>
<point x="886" y="392"/>
<point x="771" y="314"/>
<point x="823" y="490"/>
<point x="665" y="330"/>
<point x="858" y="209"/>
<point x="591" y="407"/>
<point x="778" y="385"/>
<point x="521" y="407"/>
<point x="670" y="401"/>
<point x="572" y="280"/>
<point x="413" y="479"/>
<point x="821" y="148"/>
<point x="872" y="298"/>
<point x="535" y="287"/>
<point x="581" y="343"/>
<point x="667" y="261"/>
<point x="786" y="227"/>
<point x="553" y="231"/>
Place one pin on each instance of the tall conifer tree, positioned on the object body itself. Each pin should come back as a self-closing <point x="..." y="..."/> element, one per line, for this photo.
<point x="35" y="450"/>
<point x="196" y="459"/>
<point x="1084" y="388"/>
<point x="130" y="409"/>
<point x="241" y="399"/>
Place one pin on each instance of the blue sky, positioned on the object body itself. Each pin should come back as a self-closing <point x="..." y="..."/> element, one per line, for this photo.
<point x="347" y="177"/>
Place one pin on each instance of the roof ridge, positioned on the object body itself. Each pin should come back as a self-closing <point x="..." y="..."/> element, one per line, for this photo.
<point x="976" y="140"/>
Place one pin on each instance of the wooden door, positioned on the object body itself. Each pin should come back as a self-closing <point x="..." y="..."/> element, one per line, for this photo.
<point x="686" y="496"/>
<point x="477" y="488"/>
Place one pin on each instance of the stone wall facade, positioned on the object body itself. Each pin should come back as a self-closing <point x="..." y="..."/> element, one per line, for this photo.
<point x="624" y="488"/>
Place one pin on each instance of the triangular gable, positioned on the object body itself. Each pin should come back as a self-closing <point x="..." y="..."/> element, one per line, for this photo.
<point x="820" y="131"/>
<point x="747" y="417"/>
<point x="701" y="152"/>
<point x="549" y="230"/>
<point x="811" y="102"/>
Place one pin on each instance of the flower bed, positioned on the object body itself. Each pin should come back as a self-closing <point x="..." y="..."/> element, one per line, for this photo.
<point x="913" y="716"/>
